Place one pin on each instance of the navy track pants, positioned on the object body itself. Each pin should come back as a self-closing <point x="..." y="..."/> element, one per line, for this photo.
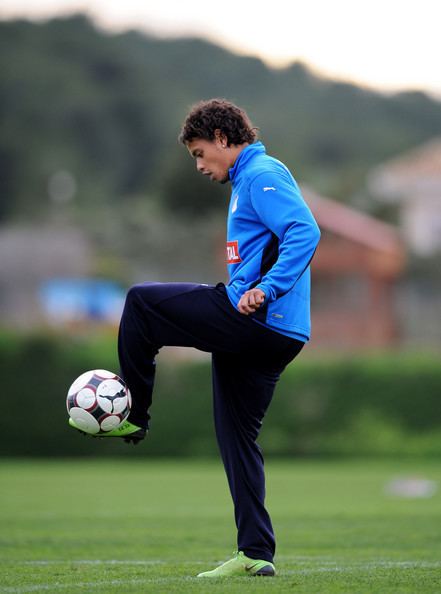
<point x="247" y="360"/>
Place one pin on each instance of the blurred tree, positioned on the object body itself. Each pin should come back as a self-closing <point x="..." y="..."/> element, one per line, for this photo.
<point x="185" y="192"/>
<point x="72" y="103"/>
<point x="106" y="109"/>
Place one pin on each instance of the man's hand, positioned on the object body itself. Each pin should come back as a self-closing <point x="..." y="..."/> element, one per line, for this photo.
<point x="251" y="301"/>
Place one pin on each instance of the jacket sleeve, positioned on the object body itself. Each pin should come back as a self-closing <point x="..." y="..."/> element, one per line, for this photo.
<point x="280" y="206"/>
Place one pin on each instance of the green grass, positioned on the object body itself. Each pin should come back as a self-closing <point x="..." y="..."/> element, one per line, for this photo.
<point x="150" y="526"/>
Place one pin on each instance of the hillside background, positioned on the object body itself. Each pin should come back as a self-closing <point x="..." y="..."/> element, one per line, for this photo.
<point x="108" y="109"/>
<point x="93" y="184"/>
<point x="90" y="121"/>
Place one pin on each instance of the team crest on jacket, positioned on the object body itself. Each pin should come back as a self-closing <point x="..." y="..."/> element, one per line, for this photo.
<point x="233" y="252"/>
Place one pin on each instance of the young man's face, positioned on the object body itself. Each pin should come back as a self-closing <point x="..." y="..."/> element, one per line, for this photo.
<point x="213" y="157"/>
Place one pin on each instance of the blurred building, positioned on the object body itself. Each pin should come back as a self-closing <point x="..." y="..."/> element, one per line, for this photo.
<point x="72" y="301"/>
<point x="46" y="279"/>
<point x="413" y="182"/>
<point x="354" y="273"/>
<point x="30" y="256"/>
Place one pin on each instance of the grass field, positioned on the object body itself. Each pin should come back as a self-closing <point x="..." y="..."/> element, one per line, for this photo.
<point x="150" y="526"/>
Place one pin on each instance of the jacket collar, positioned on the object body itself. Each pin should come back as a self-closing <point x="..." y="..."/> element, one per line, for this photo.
<point x="244" y="157"/>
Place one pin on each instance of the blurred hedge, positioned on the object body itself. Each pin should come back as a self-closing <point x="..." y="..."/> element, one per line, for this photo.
<point x="384" y="404"/>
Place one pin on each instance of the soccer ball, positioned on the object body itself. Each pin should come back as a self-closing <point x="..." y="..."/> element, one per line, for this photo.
<point x="98" y="401"/>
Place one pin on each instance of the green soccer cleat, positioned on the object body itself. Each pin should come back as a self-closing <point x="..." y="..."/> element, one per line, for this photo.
<point x="128" y="431"/>
<point x="241" y="565"/>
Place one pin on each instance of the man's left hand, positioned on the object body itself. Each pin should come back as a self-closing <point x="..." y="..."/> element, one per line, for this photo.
<point x="251" y="301"/>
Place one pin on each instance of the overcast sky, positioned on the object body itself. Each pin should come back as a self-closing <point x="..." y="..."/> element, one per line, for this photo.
<point x="387" y="44"/>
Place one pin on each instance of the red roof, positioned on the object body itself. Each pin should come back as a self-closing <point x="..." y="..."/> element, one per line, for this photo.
<point x="425" y="160"/>
<point x="352" y="224"/>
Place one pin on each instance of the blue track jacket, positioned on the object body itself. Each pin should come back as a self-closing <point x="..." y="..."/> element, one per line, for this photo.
<point x="271" y="239"/>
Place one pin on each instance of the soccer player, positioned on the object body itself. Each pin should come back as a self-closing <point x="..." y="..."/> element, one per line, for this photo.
<point x="253" y="326"/>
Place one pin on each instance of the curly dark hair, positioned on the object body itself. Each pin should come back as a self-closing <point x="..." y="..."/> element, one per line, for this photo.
<point x="206" y="117"/>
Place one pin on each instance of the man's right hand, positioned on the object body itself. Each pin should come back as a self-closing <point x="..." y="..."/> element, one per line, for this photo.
<point x="251" y="301"/>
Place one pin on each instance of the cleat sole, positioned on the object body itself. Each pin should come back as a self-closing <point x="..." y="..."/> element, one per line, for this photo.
<point x="266" y="571"/>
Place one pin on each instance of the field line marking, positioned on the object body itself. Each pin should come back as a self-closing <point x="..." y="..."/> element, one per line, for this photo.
<point x="98" y="584"/>
<point x="159" y="580"/>
<point x="363" y="567"/>
<point x="299" y="561"/>
<point x="95" y="562"/>
<point x="43" y="562"/>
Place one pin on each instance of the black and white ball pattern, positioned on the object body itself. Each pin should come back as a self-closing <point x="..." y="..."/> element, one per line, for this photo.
<point x="98" y="401"/>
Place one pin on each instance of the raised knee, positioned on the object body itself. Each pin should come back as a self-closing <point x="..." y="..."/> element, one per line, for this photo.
<point x="132" y="294"/>
<point x="136" y="293"/>
<point x="147" y="293"/>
